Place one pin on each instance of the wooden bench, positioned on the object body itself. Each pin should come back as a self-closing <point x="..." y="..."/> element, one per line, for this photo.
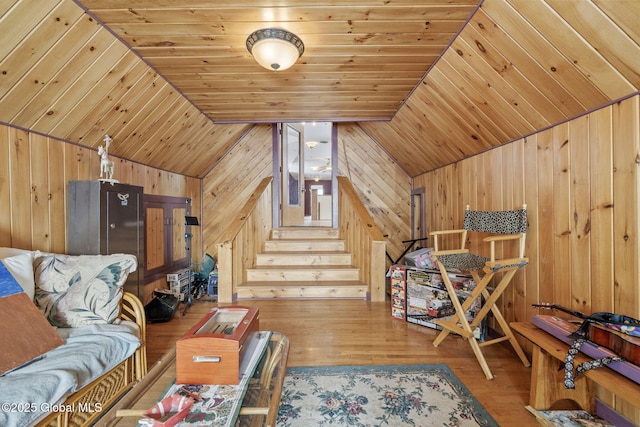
<point x="547" y="374"/>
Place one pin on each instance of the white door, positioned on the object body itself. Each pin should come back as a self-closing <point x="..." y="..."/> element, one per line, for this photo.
<point x="292" y="174"/>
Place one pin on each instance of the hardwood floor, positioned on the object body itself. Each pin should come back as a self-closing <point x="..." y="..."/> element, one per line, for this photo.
<point x="356" y="332"/>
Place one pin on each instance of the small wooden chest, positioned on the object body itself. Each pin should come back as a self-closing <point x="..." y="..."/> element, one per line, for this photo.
<point x="212" y="351"/>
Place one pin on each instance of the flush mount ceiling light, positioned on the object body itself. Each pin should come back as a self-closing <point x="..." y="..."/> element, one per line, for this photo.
<point x="312" y="144"/>
<point x="274" y="48"/>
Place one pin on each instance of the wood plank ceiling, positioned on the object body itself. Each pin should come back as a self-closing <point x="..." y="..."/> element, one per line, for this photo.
<point x="361" y="59"/>
<point x="173" y="83"/>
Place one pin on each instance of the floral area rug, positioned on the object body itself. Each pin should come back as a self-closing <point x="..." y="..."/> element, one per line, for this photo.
<point x="371" y="396"/>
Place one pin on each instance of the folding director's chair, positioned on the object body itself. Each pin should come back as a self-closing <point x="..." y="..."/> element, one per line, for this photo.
<point x="502" y="226"/>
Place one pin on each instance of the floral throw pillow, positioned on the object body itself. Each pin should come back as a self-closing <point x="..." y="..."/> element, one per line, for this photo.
<point x="79" y="290"/>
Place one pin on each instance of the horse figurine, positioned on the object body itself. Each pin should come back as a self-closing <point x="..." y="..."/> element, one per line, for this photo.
<point x="106" y="165"/>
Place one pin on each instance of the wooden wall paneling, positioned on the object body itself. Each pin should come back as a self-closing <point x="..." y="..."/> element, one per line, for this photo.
<point x="5" y="187"/>
<point x="19" y="19"/>
<point x="584" y="57"/>
<point x="101" y="99"/>
<point x="412" y="133"/>
<point x="115" y="109"/>
<point x="117" y="112"/>
<point x="580" y="214"/>
<point x="431" y="125"/>
<point x="373" y="168"/>
<point x="169" y="147"/>
<point x="624" y="14"/>
<point x="561" y="215"/>
<point x="4" y="7"/>
<point x="75" y="89"/>
<point x="499" y="108"/>
<point x="546" y="213"/>
<point x="532" y="271"/>
<point x="71" y="161"/>
<point x="472" y="101"/>
<point x="510" y="83"/>
<point x="602" y="208"/>
<point x="605" y="36"/>
<point x="506" y="167"/>
<point x="508" y="59"/>
<point x="458" y="195"/>
<point x="158" y="105"/>
<point x="523" y="65"/>
<point x="227" y="187"/>
<point x="383" y="187"/>
<point x="139" y="177"/>
<point x="45" y="31"/>
<point x="39" y="166"/>
<point x="626" y="118"/>
<point x="20" y="177"/>
<point x="93" y="86"/>
<point x="410" y="139"/>
<point x="626" y="185"/>
<point x="44" y="60"/>
<point x="551" y="72"/>
<point x="81" y="64"/>
<point x="518" y="303"/>
<point x="57" y="195"/>
<point x="154" y="237"/>
<point x="477" y="137"/>
<point x="154" y="141"/>
<point x="205" y="144"/>
<point x="123" y="170"/>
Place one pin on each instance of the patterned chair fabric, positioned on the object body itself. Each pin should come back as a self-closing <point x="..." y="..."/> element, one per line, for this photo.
<point x="463" y="262"/>
<point x="495" y="222"/>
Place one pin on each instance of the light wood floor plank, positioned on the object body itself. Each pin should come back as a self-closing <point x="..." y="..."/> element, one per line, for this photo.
<point x="357" y="332"/>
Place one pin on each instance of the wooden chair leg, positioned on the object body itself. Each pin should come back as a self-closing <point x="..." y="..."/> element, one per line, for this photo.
<point x="475" y="346"/>
<point x="508" y="335"/>
<point x="458" y="322"/>
<point x="490" y="303"/>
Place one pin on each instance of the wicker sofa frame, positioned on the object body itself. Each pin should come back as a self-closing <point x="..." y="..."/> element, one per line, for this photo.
<point x="86" y="405"/>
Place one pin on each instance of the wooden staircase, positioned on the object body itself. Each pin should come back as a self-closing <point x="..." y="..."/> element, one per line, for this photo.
<point x="303" y="262"/>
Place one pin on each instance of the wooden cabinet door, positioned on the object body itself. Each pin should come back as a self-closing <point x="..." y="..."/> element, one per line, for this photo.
<point x="165" y="240"/>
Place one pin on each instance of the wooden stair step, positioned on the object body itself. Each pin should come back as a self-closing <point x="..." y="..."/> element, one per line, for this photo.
<point x="288" y="233"/>
<point x="303" y="258"/>
<point x="299" y="245"/>
<point x="302" y="290"/>
<point x="303" y="273"/>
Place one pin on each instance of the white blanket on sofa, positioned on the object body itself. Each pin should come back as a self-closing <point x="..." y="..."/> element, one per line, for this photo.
<point x="27" y="394"/>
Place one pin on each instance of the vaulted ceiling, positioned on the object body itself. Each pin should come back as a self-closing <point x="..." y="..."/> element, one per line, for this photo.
<point x="432" y="81"/>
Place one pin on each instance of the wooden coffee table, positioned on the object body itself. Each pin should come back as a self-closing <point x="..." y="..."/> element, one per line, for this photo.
<point x="259" y="406"/>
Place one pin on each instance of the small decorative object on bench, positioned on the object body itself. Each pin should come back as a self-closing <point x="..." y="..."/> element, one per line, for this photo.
<point x="101" y="332"/>
<point x="106" y="164"/>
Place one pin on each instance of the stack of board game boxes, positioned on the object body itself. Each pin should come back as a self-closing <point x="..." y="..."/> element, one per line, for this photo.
<point x="419" y="296"/>
<point x="178" y="282"/>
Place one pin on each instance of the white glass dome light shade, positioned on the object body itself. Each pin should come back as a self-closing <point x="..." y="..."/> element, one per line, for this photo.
<point x="275" y="49"/>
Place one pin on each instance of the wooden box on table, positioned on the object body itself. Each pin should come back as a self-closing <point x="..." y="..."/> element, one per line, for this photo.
<point x="213" y="350"/>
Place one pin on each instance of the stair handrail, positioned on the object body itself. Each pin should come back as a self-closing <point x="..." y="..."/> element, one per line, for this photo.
<point x="363" y="239"/>
<point x="243" y="239"/>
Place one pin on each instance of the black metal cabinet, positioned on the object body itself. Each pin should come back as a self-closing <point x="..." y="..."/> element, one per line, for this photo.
<point x="105" y="218"/>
